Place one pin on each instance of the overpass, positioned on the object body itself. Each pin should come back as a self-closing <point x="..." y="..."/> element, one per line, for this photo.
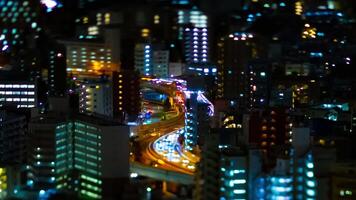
<point x="161" y="174"/>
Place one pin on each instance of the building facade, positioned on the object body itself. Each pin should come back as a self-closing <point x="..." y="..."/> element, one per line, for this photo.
<point x="19" y="94"/>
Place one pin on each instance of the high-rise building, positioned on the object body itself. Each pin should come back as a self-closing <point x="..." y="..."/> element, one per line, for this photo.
<point x="269" y="127"/>
<point x="222" y="171"/>
<point x="231" y="69"/>
<point x="233" y="169"/>
<point x="288" y="180"/>
<point x="207" y="184"/>
<point x="96" y="99"/>
<point x="88" y="56"/>
<point x="257" y="84"/>
<point x="91" y="157"/>
<point x="17" y="17"/>
<point x="193" y="17"/>
<point x="19" y="94"/>
<point x="191" y="121"/>
<point x="56" y="145"/>
<point x="293" y="174"/>
<point x="19" y="33"/>
<point x="42" y="152"/>
<point x="143" y="59"/>
<point x="196" y="45"/>
<point x="57" y="73"/>
<point x="126" y="95"/>
<point x="12" y="138"/>
<point x="3" y="182"/>
<point x="197" y="115"/>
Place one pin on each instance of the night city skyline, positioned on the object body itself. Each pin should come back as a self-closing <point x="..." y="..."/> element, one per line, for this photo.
<point x="177" y="99"/>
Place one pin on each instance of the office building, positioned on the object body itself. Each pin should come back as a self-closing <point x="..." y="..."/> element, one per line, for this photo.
<point x="96" y="99"/>
<point x="85" y="151"/>
<point x="12" y="138"/>
<point x="19" y="94"/>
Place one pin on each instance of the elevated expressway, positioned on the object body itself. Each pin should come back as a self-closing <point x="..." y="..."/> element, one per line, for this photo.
<point x="161" y="155"/>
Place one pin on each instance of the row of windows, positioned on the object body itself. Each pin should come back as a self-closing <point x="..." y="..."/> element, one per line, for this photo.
<point x="18" y="99"/>
<point x="16" y="86"/>
<point x="17" y="93"/>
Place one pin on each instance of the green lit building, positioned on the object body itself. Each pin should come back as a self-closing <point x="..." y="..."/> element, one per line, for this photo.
<point x="91" y="157"/>
<point x="81" y="155"/>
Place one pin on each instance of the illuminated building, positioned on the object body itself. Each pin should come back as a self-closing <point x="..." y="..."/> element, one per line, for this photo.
<point x="126" y="94"/>
<point x="12" y="138"/>
<point x="19" y="94"/>
<point x="194" y="17"/>
<point x="300" y="94"/>
<point x="85" y="151"/>
<point x="198" y="111"/>
<point x="222" y="170"/>
<point x="9" y="180"/>
<point x="96" y="99"/>
<point x="206" y="69"/>
<point x="196" y="45"/>
<point x="281" y="96"/>
<point x="42" y="154"/>
<point x="53" y="135"/>
<point x="298" y="7"/>
<point x="269" y="127"/>
<point x="57" y="73"/>
<point x="257" y="86"/>
<point x="233" y="174"/>
<point x="231" y="70"/>
<point x="88" y="57"/>
<point x="191" y="118"/>
<point x="3" y="183"/>
<point x="291" y="179"/>
<point x="143" y="59"/>
<point x="274" y="187"/>
<point x="16" y="17"/>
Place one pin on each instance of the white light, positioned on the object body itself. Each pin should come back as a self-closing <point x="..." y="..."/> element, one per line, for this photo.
<point x="239" y="191"/>
<point x="310" y="174"/>
<point x="310" y="165"/>
<point x="133" y="175"/>
<point x="49" y="3"/>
